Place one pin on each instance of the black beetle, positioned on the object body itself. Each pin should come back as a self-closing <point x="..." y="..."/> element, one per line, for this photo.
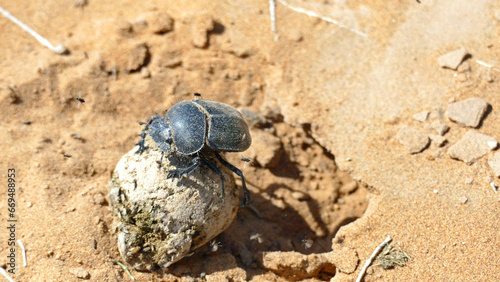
<point x="191" y="127"/>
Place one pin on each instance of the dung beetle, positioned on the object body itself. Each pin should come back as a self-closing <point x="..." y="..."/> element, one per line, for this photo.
<point x="190" y="128"/>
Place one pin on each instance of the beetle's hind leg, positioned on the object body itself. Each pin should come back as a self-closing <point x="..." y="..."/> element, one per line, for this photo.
<point x="246" y="194"/>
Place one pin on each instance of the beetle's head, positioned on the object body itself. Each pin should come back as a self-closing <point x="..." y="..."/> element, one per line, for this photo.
<point x="159" y="130"/>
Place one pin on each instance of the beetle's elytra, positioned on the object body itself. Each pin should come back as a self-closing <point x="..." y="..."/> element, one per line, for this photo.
<point x="191" y="127"/>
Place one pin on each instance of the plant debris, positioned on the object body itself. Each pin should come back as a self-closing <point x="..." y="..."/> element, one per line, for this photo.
<point x="390" y="257"/>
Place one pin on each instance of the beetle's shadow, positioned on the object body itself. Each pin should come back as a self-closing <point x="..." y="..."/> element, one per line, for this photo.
<point x="287" y="168"/>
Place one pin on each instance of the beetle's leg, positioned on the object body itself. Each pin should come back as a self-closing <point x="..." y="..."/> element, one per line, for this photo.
<point x="246" y="194"/>
<point x="161" y="159"/>
<point x="142" y="148"/>
<point x="217" y="170"/>
<point x="179" y="172"/>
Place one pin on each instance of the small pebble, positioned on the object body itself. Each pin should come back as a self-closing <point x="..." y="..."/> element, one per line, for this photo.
<point x="469" y="112"/>
<point x="463" y="199"/>
<point x="438" y="140"/>
<point x="422" y="116"/>
<point x="29" y="204"/>
<point x="160" y="22"/>
<point x="492" y="144"/>
<point x="99" y="199"/>
<point x="471" y="147"/>
<point x="80" y="272"/>
<point x="300" y="196"/>
<point x="439" y="126"/>
<point x="453" y="59"/>
<point x="203" y="24"/>
<point x="469" y="180"/>
<point x="494" y="162"/>
<point x="412" y="139"/>
<point x="145" y="73"/>
<point x="436" y="191"/>
<point x="349" y="187"/>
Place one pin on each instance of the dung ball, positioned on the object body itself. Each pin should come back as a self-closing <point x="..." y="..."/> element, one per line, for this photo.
<point x="160" y="220"/>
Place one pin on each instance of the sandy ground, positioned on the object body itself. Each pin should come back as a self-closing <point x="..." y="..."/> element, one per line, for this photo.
<point x="328" y="177"/>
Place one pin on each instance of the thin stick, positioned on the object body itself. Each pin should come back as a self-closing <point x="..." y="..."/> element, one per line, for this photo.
<point x="25" y="262"/>
<point x="124" y="268"/>
<point x="316" y="15"/>
<point x="59" y="49"/>
<point x="272" y="11"/>
<point x="6" y="275"/>
<point x="484" y="64"/>
<point x="369" y="261"/>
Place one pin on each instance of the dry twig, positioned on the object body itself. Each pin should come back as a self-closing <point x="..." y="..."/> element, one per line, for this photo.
<point x="6" y="275"/>
<point x="25" y="261"/>
<point x="272" y="5"/>
<point x="59" y="49"/>
<point x="369" y="261"/>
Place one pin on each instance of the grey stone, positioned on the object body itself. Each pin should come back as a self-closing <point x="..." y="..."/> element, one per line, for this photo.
<point x="422" y="116"/>
<point x="412" y="139"/>
<point x="471" y="147"/>
<point x="468" y="112"/>
<point x="452" y="59"/>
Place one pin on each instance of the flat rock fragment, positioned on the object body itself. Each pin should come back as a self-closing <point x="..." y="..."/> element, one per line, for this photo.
<point x="453" y="59"/>
<point x="471" y="147"/>
<point x="422" y="116"/>
<point x="296" y="266"/>
<point x="494" y="162"/>
<point x="412" y="139"/>
<point x="468" y="112"/>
